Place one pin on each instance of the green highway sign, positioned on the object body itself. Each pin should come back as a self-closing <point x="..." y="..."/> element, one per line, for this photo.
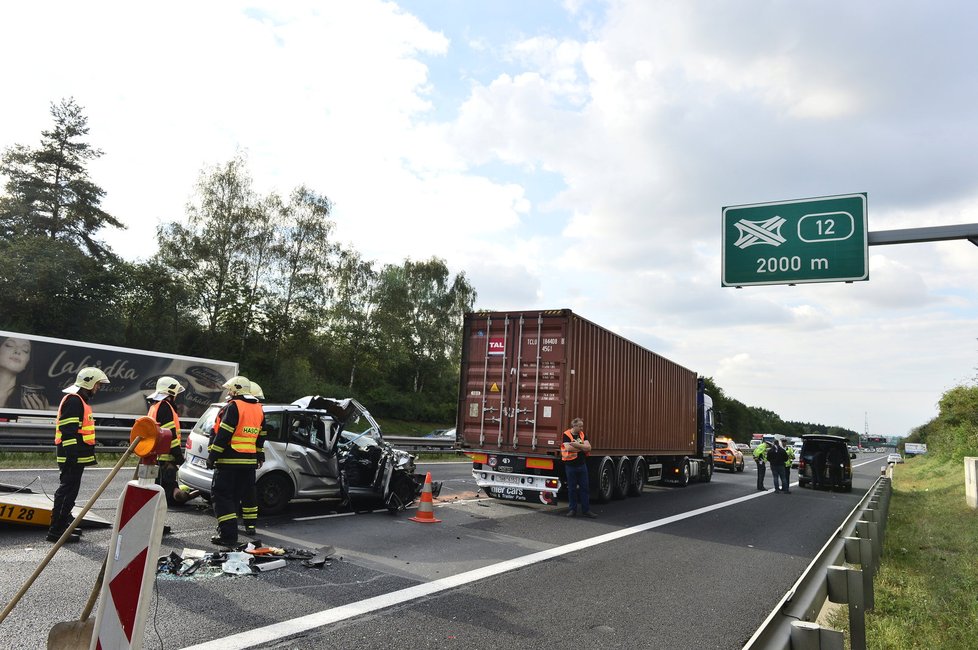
<point x="790" y="242"/>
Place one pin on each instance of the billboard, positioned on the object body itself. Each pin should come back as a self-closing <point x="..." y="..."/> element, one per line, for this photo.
<point x="914" y="448"/>
<point x="35" y="369"/>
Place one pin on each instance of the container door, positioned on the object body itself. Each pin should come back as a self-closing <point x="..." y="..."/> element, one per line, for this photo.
<point x="513" y="382"/>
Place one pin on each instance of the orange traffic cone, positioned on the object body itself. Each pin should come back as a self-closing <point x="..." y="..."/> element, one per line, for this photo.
<point x="426" y="512"/>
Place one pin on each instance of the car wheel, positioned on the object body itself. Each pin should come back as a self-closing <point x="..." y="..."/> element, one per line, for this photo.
<point x="274" y="493"/>
<point x="741" y="468"/>
<point x="401" y="495"/>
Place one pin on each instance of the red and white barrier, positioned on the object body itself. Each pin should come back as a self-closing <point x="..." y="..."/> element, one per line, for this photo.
<point x="131" y="568"/>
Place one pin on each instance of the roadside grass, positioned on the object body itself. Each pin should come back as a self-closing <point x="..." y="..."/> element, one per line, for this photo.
<point x="926" y="589"/>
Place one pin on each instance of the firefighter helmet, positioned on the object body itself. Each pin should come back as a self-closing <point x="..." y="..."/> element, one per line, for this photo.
<point x="257" y="392"/>
<point x="238" y="386"/>
<point x="87" y="378"/>
<point x="166" y="387"/>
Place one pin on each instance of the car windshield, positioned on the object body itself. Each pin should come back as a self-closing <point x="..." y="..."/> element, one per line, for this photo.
<point x="362" y="431"/>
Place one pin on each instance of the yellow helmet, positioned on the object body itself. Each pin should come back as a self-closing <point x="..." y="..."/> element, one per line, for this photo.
<point x="87" y="378"/>
<point x="167" y="386"/>
<point x="256" y="391"/>
<point x="238" y="386"/>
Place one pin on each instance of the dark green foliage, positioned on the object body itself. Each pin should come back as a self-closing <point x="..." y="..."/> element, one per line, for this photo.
<point x="48" y="191"/>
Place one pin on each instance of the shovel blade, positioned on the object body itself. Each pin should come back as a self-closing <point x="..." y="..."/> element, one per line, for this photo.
<point x="71" y="635"/>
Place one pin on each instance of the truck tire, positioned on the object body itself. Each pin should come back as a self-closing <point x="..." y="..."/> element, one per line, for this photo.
<point x="639" y="477"/>
<point x="684" y="474"/>
<point x="274" y="493"/>
<point x="706" y="474"/>
<point x="623" y="476"/>
<point x="602" y="479"/>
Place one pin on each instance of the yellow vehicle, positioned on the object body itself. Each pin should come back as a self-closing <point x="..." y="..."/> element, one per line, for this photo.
<point x="726" y="455"/>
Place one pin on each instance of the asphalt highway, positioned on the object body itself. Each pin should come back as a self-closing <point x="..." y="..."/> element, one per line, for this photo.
<point x="694" y="567"/>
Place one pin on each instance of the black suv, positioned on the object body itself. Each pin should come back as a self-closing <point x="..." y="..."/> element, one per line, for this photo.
<point x="825" y="463"/>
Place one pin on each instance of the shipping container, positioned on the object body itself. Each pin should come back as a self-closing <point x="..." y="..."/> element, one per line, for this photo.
<point x="526" y="375"/>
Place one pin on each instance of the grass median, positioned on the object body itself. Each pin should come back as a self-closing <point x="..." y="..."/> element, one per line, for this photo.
<point x="926" y="590"/>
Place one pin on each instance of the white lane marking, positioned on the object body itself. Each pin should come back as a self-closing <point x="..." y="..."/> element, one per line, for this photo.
<point x="277" y="631"/>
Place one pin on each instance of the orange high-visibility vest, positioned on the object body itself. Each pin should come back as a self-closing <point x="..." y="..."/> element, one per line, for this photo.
<point x="570" y="454"/>
<point x="173" y="425"/>
<point x="245" y="435"/>
<point x="86" y="427"/>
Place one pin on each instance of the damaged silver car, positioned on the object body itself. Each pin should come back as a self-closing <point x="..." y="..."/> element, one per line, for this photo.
<point x="316" y="448"/>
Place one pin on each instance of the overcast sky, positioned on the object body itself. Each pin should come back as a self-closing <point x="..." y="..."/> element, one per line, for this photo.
<point x="569" y="154"/>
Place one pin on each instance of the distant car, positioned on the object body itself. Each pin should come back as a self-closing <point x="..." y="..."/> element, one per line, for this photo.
<point x="852" y="451"/>
<point x="743" y="447"/>
<point x="894" y="458"/>
<point x="825" y="462"/>
<point x="726" y="455"/>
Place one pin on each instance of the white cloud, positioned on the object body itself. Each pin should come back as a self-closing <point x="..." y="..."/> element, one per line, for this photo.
<point x="583" y="165"/>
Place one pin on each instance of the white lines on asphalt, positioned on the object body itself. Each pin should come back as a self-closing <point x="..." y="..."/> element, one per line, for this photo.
<point x="277" y="631"/>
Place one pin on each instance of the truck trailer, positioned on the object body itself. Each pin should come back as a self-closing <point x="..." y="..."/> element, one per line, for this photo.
<point x="35" y="369"/>
<point x="526" y="375"/>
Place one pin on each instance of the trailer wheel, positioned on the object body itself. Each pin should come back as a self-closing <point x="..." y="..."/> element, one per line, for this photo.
<point x="623" y="476"/>
<point x="639" y="477"/>
<point x="603" y="480"/>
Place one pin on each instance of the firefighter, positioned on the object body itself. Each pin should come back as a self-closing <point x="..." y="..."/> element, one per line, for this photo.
<point x="235" y="453"/>
<point x="74" y="436"/>
<point x="164" y="411"/>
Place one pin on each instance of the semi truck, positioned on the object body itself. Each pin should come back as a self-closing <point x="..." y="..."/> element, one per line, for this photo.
<point x="35" y="369"/>
<point x="526" y="375"/>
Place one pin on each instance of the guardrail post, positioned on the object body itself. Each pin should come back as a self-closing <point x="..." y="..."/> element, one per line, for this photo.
<point x="846" y="586"/>
<point x="860" y="551"/>
<point x="812" y="636"/>
<point x="869" y="530"/>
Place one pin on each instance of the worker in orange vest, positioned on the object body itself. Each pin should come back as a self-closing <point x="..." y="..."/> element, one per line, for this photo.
<point x="573" y="451"/>
<point x="235" y="453"/>
<point x="164" y="411"/>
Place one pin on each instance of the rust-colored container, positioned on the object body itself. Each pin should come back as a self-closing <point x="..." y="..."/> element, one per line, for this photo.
<point x="526" y="375"/>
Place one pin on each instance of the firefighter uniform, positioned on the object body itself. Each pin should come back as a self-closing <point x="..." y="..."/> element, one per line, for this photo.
<point x="164" y="411"/>
<point x="74" y="438"/>
<point x="235" y="453"/>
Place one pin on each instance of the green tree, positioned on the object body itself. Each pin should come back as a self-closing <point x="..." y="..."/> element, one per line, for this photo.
<point x="419" y="311"/>
<point x="210" y="252"/>
<point x="49" y="192"/>
<point x="352" y="321"/>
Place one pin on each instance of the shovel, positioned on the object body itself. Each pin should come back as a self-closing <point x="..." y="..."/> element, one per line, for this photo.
<point x="77" y="635"/>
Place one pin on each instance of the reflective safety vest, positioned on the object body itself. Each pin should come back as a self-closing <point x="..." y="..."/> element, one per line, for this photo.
<point x="245" y="435"/>
<point x="86" y="428"/>
<point x="173" y="426"/>
<point x="85" y="434"/>
<point x="570" y="454"/>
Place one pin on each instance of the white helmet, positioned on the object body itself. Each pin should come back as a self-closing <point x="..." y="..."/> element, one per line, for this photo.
<point x="257" y="392"/>
<point x="166" y="387"/>
<point x="87" y="378"/>
<point x="238" y="386"/>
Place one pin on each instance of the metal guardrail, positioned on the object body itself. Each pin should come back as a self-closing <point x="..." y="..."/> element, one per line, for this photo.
<point x="831" y="576"/>
<point x="39" y="437"/>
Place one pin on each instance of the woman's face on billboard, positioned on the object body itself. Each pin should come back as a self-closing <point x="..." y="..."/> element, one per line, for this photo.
<point x="15" y="354"/>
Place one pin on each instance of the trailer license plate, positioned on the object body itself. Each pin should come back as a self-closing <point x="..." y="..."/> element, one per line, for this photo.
<point x="197" y="461"/>
<point x="504" y="478"/>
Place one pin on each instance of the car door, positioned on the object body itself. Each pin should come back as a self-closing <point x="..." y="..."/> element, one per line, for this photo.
<point x="311" y="455"/>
